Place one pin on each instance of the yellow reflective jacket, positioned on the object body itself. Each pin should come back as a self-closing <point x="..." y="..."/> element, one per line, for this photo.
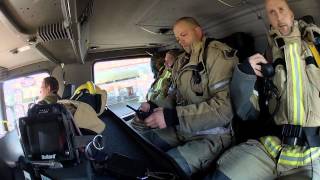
<point x="158" y="92"/>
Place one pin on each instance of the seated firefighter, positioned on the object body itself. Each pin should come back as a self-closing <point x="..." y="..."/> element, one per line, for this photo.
<point x="289" y="147"/>
<point x="197" y="129"/>
<point x="87" y="103"/>
<point x="48" y="91"/>
<point x="158" y="94"/>
<point x="158" y="91"/>
<point x="157" y="61"/>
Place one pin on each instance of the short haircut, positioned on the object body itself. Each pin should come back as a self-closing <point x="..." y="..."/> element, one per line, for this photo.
<point x="189" y="20"/>
<point x="52" y="83"/>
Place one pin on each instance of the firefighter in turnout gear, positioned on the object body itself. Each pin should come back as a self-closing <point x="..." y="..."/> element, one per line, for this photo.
<point x="158" y="94"/>
<point x="48" y="91"/>
<point x="197" y="130"/>
<point x="290" y="147"/>
<point x="158" y="91"/>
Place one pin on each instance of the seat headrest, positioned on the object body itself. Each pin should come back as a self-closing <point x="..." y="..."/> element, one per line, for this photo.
<point x="68" y="91"/>
<point x="243" y="42"/>
<point x="308" y="19"/>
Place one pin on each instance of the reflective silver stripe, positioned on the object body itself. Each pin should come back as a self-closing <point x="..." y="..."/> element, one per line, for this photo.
<point x="217" y="130"/>
<point x="219" y="85"/>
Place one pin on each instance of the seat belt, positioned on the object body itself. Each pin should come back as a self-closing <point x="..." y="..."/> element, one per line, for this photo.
<point x="315" y="53"/>
<point x="297" y="135"/>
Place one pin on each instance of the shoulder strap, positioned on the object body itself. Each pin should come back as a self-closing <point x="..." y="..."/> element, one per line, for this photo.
<point x="316" y="55"/>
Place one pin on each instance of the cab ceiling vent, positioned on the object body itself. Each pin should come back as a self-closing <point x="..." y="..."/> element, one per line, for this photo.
<point x="3" y="72"/>
<point x="52" y="32"/>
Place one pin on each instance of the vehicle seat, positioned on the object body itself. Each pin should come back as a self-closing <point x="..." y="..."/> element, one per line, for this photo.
<point x="242" y="42"/>
<point x="68" y="91"/>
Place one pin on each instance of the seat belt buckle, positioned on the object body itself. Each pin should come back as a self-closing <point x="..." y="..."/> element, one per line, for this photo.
<point x="292" y="135"/>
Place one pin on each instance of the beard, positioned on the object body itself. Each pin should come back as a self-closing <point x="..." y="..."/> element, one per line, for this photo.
<point x="187" y="49"/>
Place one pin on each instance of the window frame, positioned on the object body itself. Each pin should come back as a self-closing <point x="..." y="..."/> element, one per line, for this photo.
<point x="3" y="103"/>
<point x="116" y="59"/>
<point x="119" y="59"/>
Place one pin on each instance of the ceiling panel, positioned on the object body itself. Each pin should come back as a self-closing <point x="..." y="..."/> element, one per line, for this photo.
<point x="114" y="24"/>
<point x="10" y="41"/>
<point x="11" y="61"/>
<point x="125" y="23"/>
<point x="30" y="14"/>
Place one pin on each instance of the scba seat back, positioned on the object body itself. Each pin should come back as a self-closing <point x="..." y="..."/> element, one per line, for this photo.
<point x="47" y="134"/>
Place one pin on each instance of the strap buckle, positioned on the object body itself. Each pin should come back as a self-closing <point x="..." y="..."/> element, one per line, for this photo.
<point x="292" y="135"/>
<point x="158" y="175"/>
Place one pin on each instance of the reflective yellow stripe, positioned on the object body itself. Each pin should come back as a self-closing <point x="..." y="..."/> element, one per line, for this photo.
<point x="298" y="108"/>
<point x="159" y="83"/>
<point x="295" y="120"/>
<point x="270" y="144"/>
<point x="290" y="163"/>
<point x="290" y="155"/>
<point x="315" y="53"/>
<point x="300" y="100"/>
<point x="296" y="158"/>
<point x="296" y="154"/>
<point x="158" y="86"/>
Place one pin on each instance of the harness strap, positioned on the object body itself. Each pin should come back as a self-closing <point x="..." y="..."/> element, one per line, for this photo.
<point x="315" y="53"/>
<point x="296" y="135"/>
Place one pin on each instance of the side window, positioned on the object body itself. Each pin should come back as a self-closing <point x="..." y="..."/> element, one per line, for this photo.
<point x="18" y="94"/>
<point x="125" y="80"/>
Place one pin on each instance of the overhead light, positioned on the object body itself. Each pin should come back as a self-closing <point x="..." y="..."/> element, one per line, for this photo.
<point x="20" y="49"/>
<point x="94" y="47"/>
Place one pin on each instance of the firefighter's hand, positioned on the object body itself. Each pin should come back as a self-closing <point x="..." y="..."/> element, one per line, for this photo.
<point x="145" y="107"/>
<point x="156" y="119"/>
<point x="255" y="62"/>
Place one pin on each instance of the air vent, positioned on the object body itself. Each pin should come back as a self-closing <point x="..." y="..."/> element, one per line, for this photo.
<point x="3" y="73"/>
<point x="52" y="32"/>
